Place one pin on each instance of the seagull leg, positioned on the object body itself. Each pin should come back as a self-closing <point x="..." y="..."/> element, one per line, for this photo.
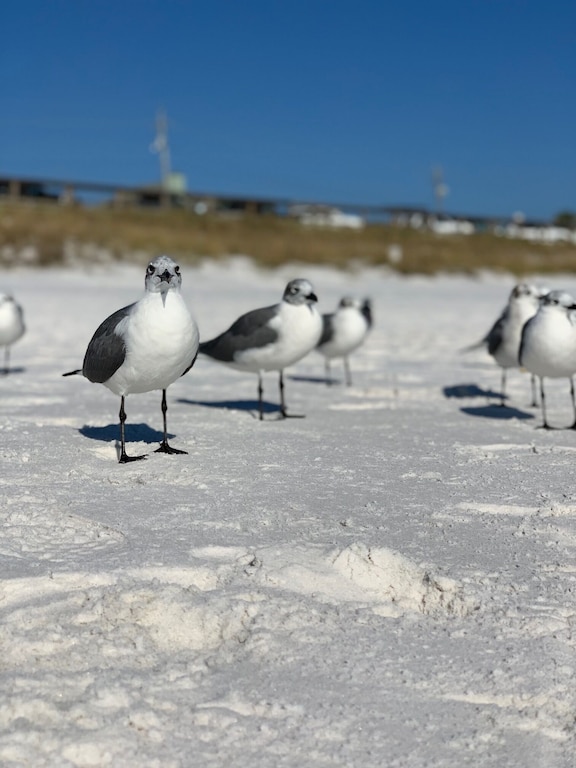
<point x="164" y="447"/>
<point x="545" y="424"/>
<point x="534" y="403"/>
<point x="283" y="411"/>
<point x="260" y="396"/>
<point x="347" y="372"/>
<point x="573" y="401"/>
<point x="124" y="458"/>
<point x="6" y="360"/>
<point x="327" y="372"/>
<point x="503" y="388"/>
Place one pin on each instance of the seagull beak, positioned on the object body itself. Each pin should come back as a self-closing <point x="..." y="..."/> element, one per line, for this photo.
<point x="165" y="276"/>
<point x="312" y="297"/>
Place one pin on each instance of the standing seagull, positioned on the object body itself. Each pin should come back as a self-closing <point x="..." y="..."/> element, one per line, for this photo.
<point x="11" y="326"/>
<point x="548" y="347"/>
<point x="271" y="338"/>
<point x="503" y="339"/>
<point x="344" y="331"/>
<point x="145" y="346"/>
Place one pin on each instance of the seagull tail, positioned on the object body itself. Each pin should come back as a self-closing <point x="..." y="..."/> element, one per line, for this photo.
<point x="73" y="373"/>
<point x="479" y="345"/>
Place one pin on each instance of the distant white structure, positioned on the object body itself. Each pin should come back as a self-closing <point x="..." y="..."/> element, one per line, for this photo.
<point x="323" y="216"/>
<point x="451" y="226"/>
<point x="537" y="233"/>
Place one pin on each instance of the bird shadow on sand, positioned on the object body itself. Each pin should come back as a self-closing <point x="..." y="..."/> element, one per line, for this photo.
<point x="499" y="412"/>
<point x="315" y="379"/>
<point x="9" y="371"/>
<point x="135" y="433"/>
<point x="462" y="391"/>
<point x="250" y="406"/>
<point x="488" y="411"/>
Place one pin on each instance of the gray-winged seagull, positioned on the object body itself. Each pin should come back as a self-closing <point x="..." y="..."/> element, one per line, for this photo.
<point x="503" y="339"/>
<point x="145" y="346"/>
<point x="271" y="338"/>
<point x="11" y="325"/>
<point x="344" y="331"/>
<point x="548" y="346"/>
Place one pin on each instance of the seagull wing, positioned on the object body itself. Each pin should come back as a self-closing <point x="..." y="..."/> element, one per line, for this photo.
<point x="106" y="351"/>
<point x="494" y="336"/>
<point x="327" y="329"/>
<point x="251" y="331"/>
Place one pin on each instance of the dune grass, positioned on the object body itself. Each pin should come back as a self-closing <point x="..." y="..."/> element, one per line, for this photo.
<point x="50" y="234"/>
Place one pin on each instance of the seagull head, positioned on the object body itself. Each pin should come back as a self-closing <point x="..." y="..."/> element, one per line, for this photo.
<point x="350" y="301"/>
<point x="560" y="299"/>
<point x="162" y="275"/>
<point x="525" y="289"/>
<point x="299" y="292"/>
<point x="525" y="295"/>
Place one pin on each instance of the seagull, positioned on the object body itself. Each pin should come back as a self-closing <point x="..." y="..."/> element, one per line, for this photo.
<point x="11" y="326"/>
<point x="344" y="331"/>
<point x="503" y="339"/>
<point x="271" y="338"/>
<point x="548" y="346"/>
<point x="145" y="346"/>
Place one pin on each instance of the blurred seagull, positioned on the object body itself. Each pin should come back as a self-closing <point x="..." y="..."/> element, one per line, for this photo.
<point x="271" y="338"/>
<point x="503" y="339"/>
<point x="344" y="331"/>
<point x="548" y="346"/>
<point x="145" y="346"/>
<point x="11" y="326"/>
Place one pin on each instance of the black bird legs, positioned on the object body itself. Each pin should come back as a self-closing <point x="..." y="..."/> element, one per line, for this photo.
<point x="503" y="388"/>
<point x="283" y="411"/>
<point x="573" y="402"/>
<point x="260" y="396"/>
<point x="124" y="458"/>
<point x="347" y="372"/>
<point x="164" y="447"/>
<point x="545" y="424"/>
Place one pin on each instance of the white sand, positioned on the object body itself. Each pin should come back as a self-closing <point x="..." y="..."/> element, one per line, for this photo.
<point x="388" y="582"/>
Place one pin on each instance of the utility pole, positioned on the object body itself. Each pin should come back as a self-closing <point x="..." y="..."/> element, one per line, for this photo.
<point x="160" y="146"/>
<point x="441" y="189"/>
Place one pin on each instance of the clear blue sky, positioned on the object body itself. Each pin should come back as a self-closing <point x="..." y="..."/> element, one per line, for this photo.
<point x="352" y="101"/>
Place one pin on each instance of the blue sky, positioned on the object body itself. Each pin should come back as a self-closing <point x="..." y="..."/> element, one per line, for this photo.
<point x="307" y="99"/>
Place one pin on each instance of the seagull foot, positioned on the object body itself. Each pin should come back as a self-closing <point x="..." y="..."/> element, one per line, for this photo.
<point x="285" y="415"/>
<point x="165" y="448"/>
<point x="125" y="459"/>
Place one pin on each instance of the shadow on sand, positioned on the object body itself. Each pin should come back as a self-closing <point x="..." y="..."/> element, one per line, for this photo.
<point x="135" y="433"/>
<point x="8" y="371"/>
<point x="499" y="412"/>
<point x="462" y="391"/>
<point x="315" y="379"/>
<point x="249" y="406"/>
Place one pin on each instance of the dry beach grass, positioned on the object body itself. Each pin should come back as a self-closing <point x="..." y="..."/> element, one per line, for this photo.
<point x="49" y="234"/>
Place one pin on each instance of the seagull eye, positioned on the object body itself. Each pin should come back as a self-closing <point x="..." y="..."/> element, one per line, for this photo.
<point x="177" y="269"/>
<point x="150" y="270"/>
